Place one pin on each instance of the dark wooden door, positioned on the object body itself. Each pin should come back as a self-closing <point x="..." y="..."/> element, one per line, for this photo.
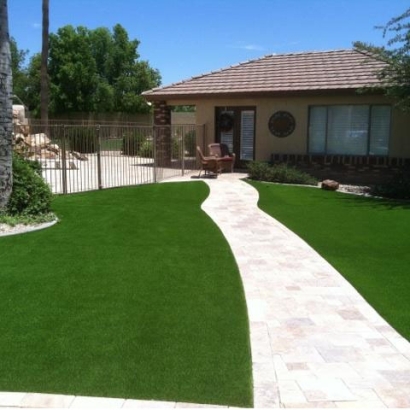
<point x="235" y="127"/>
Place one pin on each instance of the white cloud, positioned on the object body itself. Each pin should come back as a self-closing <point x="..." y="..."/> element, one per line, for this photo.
<point x="36" y="25"/>
<point x="252" y="47"/>
<point x="248" y="46"/>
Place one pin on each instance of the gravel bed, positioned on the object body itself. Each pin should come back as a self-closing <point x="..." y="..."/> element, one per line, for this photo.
<point x="6" y="230"/>
<point x="355" y="189"/>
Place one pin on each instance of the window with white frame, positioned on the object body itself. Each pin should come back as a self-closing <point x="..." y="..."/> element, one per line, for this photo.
<point x="349" y="129"/>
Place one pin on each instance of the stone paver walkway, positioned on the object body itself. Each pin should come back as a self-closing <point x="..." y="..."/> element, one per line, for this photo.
<point x="315" y="341"/>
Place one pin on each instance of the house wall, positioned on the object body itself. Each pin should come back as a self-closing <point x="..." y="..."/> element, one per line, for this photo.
<point x="297" y="143"/>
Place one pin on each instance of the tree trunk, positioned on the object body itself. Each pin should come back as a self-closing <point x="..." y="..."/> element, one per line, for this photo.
<point x="6" y="110"/>
<point x="44" y="94"/>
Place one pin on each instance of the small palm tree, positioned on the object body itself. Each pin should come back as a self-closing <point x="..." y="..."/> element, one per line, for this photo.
<point x="6" y="112"/>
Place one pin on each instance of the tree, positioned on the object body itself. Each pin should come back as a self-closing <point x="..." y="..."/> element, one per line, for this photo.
<point x="6" y="175"/>
<point x="32" y="87"/>
<point x="395" y="77"/>
<point x="72" y="70"/>
<point x="44" y="99"/>
<point x="96" y="70"/>
<point x="19" y="72"/>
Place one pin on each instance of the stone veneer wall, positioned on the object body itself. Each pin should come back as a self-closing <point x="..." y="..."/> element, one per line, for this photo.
<point x="348" y="169"/>
<point x="162" y="129"/>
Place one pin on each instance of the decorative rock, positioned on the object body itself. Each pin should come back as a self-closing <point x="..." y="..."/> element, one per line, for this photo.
<point x="38" y="140"/>
<point x="54" y="148"/>
<point x="19" y="138"/>
<point x="78" y="155"/>
<point x="330" y="185"/>
<point x="22" y="129"/>
<point x="46" y="154"/>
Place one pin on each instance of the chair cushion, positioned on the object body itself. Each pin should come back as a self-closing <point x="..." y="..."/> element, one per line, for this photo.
<point x="224" y="150"/>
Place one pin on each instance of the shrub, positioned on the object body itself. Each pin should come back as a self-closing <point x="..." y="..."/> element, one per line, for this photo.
<point x="258" y="171"/>
<point x="83" y="140"/>
<point x="176" y="148"/>
<point x="262" y="171"/>
<point x="147" y="149"/>
<point x="190" y="143"/>
<point x="398" y="187"/>
<point x="30" y="195"/>
<point x="132" y="143"/>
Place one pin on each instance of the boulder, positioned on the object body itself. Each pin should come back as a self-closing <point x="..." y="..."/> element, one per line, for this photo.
<point x="54" y="148"/>
<point x="18" y="113"/>
<point x="330" y="185"/>
<point x="18" y="138"/>
<point x="22" y="129"/>
<point x="38" y="140"/>
<point x="78" y="155"/>
<point x="46" y="154"/>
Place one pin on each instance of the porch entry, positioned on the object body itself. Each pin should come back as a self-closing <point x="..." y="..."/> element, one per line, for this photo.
<point x="235" y="127"/>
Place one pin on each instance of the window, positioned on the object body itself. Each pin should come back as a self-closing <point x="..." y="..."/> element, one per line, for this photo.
<point x="349" y="129"/>
<point x="247" y="134"/>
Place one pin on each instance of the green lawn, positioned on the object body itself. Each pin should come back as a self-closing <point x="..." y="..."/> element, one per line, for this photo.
<point x="135" y="294"/>
<point x="365" y="239"/>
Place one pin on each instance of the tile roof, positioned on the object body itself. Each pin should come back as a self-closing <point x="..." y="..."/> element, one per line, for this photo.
<point x="281" y="73"/>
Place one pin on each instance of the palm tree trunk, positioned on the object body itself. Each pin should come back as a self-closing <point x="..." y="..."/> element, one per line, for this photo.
<point x="6" y="111"/>
<point x="44" y="94"/>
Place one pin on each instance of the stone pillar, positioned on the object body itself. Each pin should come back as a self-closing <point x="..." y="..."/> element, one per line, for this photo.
<point x="162" y="133"/>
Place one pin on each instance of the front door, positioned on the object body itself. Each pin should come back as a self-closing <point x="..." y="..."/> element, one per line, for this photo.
<point x="235" y="127"/>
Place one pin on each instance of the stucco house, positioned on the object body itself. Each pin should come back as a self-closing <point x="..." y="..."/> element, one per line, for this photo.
<point x="302" y="108"/>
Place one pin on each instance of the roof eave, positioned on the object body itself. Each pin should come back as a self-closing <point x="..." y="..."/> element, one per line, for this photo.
<point x="157" y="96"/>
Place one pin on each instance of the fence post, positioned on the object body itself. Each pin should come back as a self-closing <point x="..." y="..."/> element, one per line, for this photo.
<point x="183" y="151"/>
<point x="64" y="161"/>
<point x="154" y="151"/>
<point x="99" y="176"/>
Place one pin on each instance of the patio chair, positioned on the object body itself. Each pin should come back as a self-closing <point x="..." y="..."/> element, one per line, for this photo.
<point x="208" y="164"/>
<point x="221" y="151"/>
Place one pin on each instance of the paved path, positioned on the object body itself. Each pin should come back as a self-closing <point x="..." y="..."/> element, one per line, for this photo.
<point x="315" y="341"/>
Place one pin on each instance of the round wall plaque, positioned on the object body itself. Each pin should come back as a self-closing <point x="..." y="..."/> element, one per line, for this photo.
<point x="282" y="124"/>
<point x="225" y="122"/>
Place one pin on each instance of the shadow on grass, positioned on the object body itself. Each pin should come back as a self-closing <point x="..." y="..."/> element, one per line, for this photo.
<point x="120" y="299"/>
<point x="374" y="202"/>
<point x="365" y="238"/>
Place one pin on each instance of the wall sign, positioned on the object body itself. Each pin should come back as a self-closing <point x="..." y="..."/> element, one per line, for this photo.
<point x="282" y="124"/>
<point x="225" y="122"/>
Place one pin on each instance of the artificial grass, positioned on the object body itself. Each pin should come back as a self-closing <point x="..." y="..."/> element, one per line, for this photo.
<point x="134" y="294"/>
<point x="366" y="239"/>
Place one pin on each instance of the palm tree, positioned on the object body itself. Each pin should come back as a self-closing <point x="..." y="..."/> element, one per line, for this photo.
<point x="6" y="111"/>
<point x="44" y="93"/>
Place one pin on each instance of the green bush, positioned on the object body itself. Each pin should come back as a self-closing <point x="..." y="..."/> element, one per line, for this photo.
<point x="176" y="148"/>
<point x="398" y="187"/>
<point x="282" y="173"/>
<point x="30" y="195"/>
<point x="83" y="140"/>
<point x="147" y="149"/>
<point x="190" y="143"/>
<point x="258" y="171"/>
<point x="132" y="143"/>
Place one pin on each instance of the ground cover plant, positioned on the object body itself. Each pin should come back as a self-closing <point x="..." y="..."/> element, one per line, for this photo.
<point x="282" y="173"/>
<point x="366" y="239"/>
<point x="397" y="187"/>
<point x="133" y="294"/>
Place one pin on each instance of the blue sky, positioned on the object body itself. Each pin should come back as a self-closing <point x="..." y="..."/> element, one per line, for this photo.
<point x="184" y="38"/>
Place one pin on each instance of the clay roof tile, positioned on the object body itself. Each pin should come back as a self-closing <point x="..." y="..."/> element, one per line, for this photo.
<point x="325" y="70"/>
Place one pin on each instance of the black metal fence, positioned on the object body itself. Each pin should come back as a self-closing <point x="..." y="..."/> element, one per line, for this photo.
<point x="76" y="158"/>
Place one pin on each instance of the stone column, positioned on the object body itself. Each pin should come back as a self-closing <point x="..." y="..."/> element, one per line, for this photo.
<point x="162" y="132"/>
